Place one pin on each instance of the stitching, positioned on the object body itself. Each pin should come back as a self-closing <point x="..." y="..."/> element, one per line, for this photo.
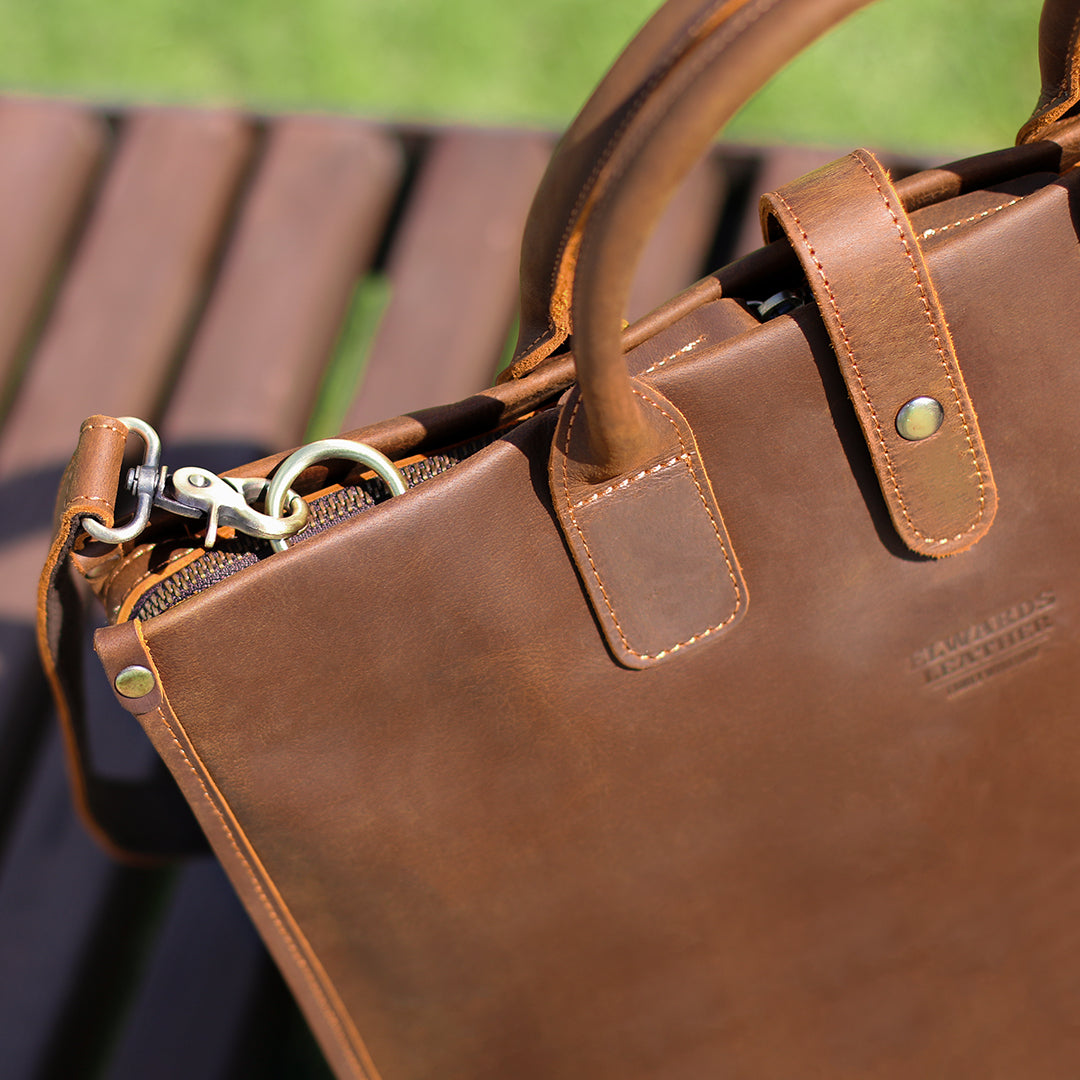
<point x="275" y="918"/>
<point x="301" y="960"/>
<point x="939" y="343"/>
<point x="889" y="468"/>
<point x="97" y="427"/>
<point x="851" y="356"/>
<point x="103" y="427"/>
<point x="515" y="367"/>
<point x="629" y="480"/>
<point x="686" y="458"/>
<point x="968" y="220"/>
<point x="265" y="900"/>
<point x="679" y="352"/>
<point x="131" y="556"/>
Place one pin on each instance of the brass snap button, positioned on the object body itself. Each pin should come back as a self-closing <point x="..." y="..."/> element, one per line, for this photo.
<point x="134" y="681"/>
<point x="920" y="418"/>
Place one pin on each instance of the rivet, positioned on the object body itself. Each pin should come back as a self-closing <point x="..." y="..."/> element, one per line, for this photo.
<point x="134" y="681"/>
<point x="920" y="418"/>
<point x="199" y="480"/>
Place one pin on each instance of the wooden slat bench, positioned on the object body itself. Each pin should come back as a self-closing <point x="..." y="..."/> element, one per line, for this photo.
<point x="197" y="268"/>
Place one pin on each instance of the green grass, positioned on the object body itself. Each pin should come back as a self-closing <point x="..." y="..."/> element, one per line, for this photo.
<point x="918" y="74"/>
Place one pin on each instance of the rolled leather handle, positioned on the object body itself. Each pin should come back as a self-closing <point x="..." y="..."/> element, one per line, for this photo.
<point x="684" y="76"/>
<point x="1059" y="65"/>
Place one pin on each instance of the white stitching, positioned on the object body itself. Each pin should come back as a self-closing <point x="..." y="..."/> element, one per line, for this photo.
<point x="940" y="344"/>
<point x="103" y="427"/>
<point x="630" y="480"/>
<point x="678" y="352"/>
<point x="848" y="348"/>
<point x="966" y="221"/>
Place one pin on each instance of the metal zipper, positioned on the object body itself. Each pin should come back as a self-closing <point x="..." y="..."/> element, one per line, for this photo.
<point x="328" y="510"/>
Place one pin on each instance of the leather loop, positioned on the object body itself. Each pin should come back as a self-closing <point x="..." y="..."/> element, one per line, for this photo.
<point x="878" y="302"/>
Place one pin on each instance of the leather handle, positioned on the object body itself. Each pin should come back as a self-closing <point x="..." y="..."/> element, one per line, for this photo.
<point x="733" y="55"/>
<point x="691" y="67"/>
<point x="1059" y="65"/>
<point x="688" y="71"/>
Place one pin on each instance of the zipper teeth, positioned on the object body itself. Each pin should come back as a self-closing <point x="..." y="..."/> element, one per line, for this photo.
<point x="222" y="562"/>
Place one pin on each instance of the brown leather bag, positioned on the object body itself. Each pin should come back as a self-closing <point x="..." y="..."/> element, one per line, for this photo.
<point x="713" y="715"/>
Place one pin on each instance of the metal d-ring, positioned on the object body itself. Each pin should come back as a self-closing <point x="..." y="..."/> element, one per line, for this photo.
<point x="306" y="456"/>
<point x="143" y="482"/>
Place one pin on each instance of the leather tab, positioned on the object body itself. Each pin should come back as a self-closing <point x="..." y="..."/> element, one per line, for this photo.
<point x="650" y="546"/>
<point x="89" y="483"/>
<point x="878" y="302"/>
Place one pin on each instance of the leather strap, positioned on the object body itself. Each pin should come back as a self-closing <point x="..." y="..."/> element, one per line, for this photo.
<point x="643" y="84"/>
<point x="622" y="158"/>
<point x="878" y="302"/>
<point x="136" y="822"/>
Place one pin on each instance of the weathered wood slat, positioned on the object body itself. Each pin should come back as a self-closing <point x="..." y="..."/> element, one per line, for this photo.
<point x="310" y="224"/>
<point x="121" y="310"/>
<point x="108" y="346"/>
<point x="139" y="268"/>
<point x="453" y="272"/>
<point x="50" y="152"/>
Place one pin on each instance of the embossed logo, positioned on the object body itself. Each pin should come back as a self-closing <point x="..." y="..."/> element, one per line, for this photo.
<point x="969" y="657"/>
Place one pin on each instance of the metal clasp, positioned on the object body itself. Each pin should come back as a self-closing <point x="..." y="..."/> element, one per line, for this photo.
<point x="226" y="501"/>
<point x="343" y="449"/>
<point x="147" y="479"/>
<point x="194" y="493"/>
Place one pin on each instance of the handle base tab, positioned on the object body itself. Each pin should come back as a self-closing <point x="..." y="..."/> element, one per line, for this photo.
<point x="650" y="545"/>
<point x="892" y="342"/>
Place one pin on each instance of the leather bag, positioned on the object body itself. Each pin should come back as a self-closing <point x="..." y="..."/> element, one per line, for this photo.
<point x="707" y="705"/>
